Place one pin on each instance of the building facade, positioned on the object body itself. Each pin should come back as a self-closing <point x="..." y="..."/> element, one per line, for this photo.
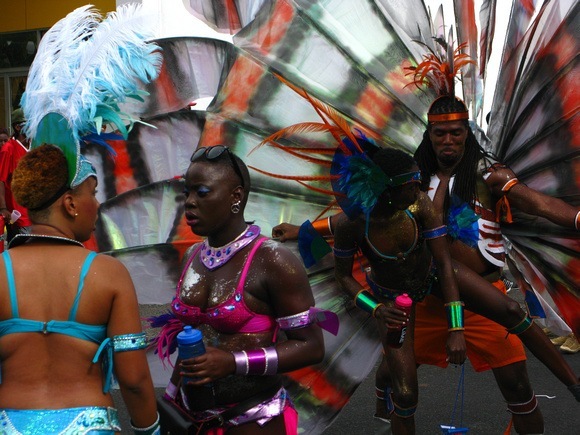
<point x="24" y="23"/>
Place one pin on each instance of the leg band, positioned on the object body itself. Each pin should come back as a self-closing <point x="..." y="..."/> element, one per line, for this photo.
<point x="523" y="408"/>
<point x="404" y="412"/>
<point x="385" y="396"/>
<point x="521" y="327"/>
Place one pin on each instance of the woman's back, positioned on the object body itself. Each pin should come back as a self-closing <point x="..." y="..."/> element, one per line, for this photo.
<point x="53" y="370"/>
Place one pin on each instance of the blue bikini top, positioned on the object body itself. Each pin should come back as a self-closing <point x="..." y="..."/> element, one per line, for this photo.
<point x="93" y="333"/>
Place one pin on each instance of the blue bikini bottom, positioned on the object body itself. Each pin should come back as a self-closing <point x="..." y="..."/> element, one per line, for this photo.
<point x="87" y="420"/>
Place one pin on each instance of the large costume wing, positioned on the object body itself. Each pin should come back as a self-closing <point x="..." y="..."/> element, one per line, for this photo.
<point x="534" y="129"/>
<point x="350" y="56"/>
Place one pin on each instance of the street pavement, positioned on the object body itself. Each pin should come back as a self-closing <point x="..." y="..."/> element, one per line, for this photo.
<point x="484" y="412"/>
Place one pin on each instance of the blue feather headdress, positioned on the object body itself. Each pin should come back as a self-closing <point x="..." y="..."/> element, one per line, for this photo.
<point x="357" y="181"/>
<point x="85" y="66"/>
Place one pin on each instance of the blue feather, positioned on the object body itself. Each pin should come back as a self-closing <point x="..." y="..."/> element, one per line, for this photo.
<point x="85" y="68"/>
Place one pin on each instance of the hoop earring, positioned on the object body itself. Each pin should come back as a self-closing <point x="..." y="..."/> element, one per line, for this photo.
<point x="235" y="208"/>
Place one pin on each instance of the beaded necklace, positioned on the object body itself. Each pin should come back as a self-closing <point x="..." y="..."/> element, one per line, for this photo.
<point x="212" y="258"/>
<point x="20" y="239"/>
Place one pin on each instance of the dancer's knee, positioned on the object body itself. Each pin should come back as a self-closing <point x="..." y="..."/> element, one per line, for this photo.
<point x="513" y="382"/>
<point x="514" y="313"/>
<point x="405" y="403"/>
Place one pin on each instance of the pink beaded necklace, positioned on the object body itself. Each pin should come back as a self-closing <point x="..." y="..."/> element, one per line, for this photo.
<point x="212" y="258"/>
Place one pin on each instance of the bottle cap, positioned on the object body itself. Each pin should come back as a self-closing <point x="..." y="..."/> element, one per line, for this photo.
<point x="189" y="335"/>
<point x="404" y="300"/>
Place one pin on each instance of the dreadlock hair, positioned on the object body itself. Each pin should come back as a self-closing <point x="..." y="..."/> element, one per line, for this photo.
<point x="465" y="179"/>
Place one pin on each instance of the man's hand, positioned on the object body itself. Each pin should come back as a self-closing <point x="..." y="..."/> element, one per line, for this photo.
<point x="456" y="348"/>
<point x="285" y="231"/>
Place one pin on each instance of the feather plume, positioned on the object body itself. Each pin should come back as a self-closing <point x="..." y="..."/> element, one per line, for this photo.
<point x="439" y="72"/>
<point x="292" y="177"/>
<point x="361" y="180"/>
<point x="85" y="67"/>
<point x="299" y="152"/>
<point x="332" y="120"/>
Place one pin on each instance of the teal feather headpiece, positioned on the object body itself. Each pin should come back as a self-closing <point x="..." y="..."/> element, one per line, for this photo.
<point x="359" y="181"/>
<point x="84" y="68"/>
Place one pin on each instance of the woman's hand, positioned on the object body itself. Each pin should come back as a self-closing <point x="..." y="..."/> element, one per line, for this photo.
<point x="456" y="347"/>
<point x="212" y="365"/>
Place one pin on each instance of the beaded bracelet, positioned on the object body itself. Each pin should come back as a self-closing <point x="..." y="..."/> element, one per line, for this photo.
<point x="263" y="361"/>
<point x="151" y="430"/>
<point x="367" y="302"/>
<point x="454" y="312"/>
<point x="344" y="253"/>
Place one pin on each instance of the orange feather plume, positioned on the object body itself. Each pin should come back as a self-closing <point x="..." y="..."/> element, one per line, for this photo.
<point x="439" y="72"/>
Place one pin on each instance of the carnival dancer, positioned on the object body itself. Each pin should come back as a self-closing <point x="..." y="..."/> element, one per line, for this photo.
<point x="83" y="311"/>
<point x="251" y="299"/>
<point x="69" y="318"/>
<point x="401" y="236"/>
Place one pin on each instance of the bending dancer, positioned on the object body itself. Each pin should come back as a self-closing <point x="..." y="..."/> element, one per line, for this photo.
<point x="64" y="309"/>
<point x="399" y="235"/>
<point x="239" y="288"/>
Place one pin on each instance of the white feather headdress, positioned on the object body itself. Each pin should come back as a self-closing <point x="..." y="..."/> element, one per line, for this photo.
<point x="85" y="66"/>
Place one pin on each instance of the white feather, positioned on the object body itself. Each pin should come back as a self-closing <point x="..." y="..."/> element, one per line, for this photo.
<point x="85" y="66"/>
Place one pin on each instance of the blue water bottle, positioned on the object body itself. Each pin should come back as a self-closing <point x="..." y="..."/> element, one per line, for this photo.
<point x="190" y="344"/>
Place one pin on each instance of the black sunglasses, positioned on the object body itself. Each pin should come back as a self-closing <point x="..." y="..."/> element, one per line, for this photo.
<point x="212" y="153"/>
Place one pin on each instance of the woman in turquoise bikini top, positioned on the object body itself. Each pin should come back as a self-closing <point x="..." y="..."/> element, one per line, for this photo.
<point x="69" y="318"/>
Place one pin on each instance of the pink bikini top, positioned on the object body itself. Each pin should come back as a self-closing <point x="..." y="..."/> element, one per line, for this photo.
<point x="230" y="316"/>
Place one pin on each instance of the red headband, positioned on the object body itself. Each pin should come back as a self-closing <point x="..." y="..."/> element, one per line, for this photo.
<point x="443" y="117"/>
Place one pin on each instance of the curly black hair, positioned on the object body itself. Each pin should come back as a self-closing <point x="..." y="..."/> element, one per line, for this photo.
<point x="39" y="176"/>
<point x="392" y="161"/>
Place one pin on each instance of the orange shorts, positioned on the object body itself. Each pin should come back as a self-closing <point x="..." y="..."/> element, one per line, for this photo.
<point x="487" y="345"/>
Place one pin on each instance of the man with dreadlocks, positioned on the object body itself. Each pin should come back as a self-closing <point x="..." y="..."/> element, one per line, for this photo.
<point x="465" y="184"/>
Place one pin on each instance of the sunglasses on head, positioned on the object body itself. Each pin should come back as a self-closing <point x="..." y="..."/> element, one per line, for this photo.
<point x="406" y="178"/>
<point x="212" y="153"/>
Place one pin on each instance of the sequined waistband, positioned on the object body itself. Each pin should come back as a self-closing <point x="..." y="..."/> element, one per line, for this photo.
<point x="417" y="295"/>
<point x="66" y="421"/>
<point x="261" y="413"/>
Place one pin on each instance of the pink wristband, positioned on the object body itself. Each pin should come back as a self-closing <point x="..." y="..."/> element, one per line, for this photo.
<point x="241" y="359"/>
<point x="263" y="361"/>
